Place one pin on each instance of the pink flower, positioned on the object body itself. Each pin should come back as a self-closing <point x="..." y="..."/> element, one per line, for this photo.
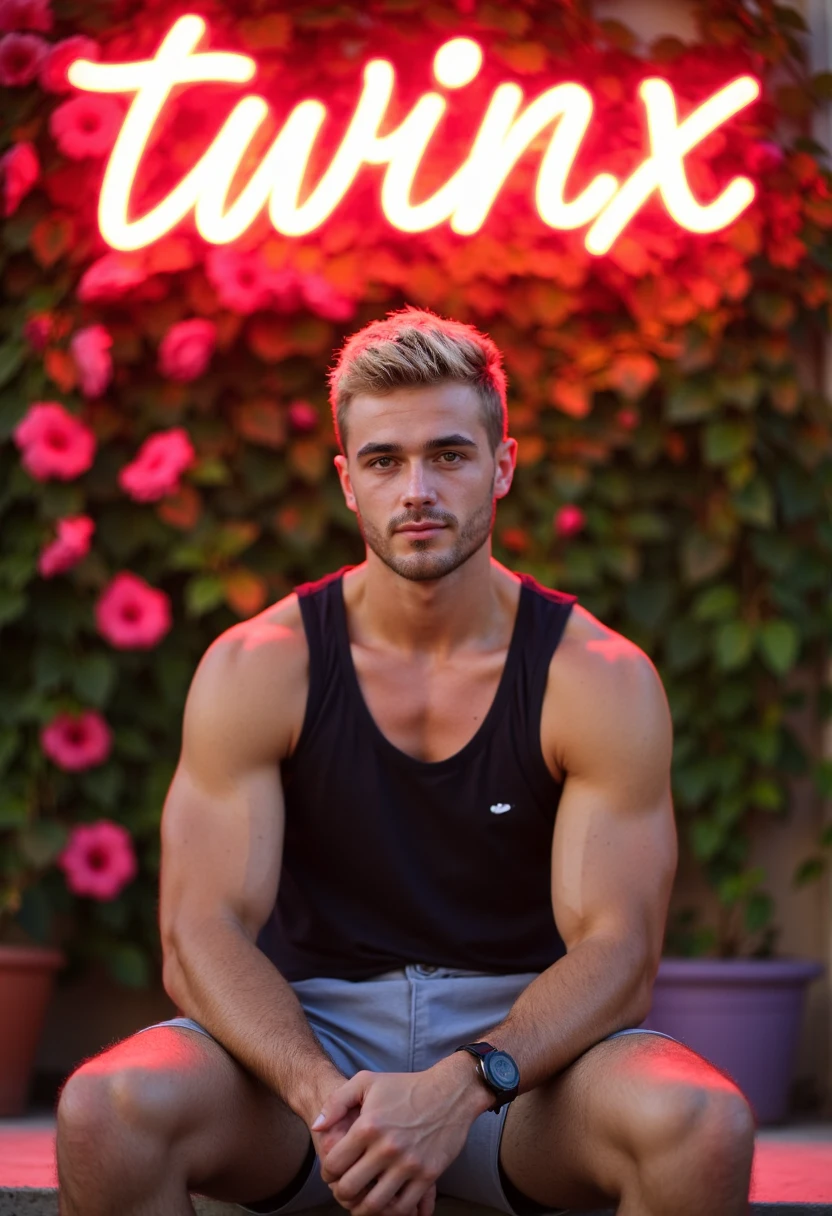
<point x="242" y="281"/>
<point x="186" y="349"/>
<point x="569" y="520"/>
<point x="325" y="300"/>
<point x="303" y="416"/>
<point x="91" y="352"/>
<point x="20" y="58"/>
<point x="77" y="741"/>
<point x="284" y="288"/>
<point x="20" y="169"/>
<point x="25" y="15"/>
<point x="109" y="278"/>
<point x="86" y="126"/>
<point x="38" y="330"/>
<point x="72" y="543"/>
<point x="99" y="860"/>
<point x="52" y="77"/>
<point x="54" y="442"/>
<point x="161" y="461"/>
<point x="131" y="614"/>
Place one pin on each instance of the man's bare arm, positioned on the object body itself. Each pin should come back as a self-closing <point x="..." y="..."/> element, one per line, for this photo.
<point x="614" y="854"/>
<point x="222" y="848"/>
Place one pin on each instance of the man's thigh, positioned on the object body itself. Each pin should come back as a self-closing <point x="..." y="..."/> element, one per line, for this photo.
<point x="579" y="1139"/>
<point x="228" y="1135"/>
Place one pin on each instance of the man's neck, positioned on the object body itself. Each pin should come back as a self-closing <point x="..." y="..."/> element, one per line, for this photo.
<point x="471" y="609"/>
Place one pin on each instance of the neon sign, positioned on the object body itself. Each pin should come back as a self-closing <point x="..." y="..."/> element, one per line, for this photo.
<point x="464" y="201"/>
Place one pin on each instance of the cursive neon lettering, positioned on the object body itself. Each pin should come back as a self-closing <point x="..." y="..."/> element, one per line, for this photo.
<point x="464" y="200"/>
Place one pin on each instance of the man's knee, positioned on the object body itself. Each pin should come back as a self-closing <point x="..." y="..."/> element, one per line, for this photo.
<point x="711" y="1119"/>
<point x="104" y="1106"/>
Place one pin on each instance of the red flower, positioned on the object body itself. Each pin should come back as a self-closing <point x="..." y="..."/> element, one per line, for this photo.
<point x="54" y="443"/>
<point x="90" y="349"/>
<point x="99" y="860"/>
<point x="38" y="330"/>
<point x="569" y="520"/>
<point x="20" y="169"/>
<point x="86" y="126"/>
<point x="25" y="15"/>
<point x="109" y="278"/>
<point x="76" y="742"/>
<point x="73" y="543"/>
<point x="131" y="614"/>
<point x="324" y="300"/>
<point x="20" y="58"/>
<point x="242" y="281"/>
<point x="52" y="76"/>
<point x="161" y="461"/>
<point x="303" y="416"/>
<point x="186" y="349"/>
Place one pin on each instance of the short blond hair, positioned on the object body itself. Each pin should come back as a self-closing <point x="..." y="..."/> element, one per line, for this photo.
<point x="413" y="347"/>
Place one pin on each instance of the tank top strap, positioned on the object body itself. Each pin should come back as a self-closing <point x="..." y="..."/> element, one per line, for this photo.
<point x="545" y="622"/>
<point x="319" y="611"/>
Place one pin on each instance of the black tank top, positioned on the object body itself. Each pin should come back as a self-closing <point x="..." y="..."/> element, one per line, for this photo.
<point x="390" y="860"/>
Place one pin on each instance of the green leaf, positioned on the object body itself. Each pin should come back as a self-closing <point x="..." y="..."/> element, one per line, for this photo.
<point x="103" y="786"/>
<point x="12" y="605"/>
<point x="94" y="678"/>
<point x="725" y="441"/>
<point x="809" y="871"/>
<point x="202" y="594"/>
<point x="129" y="965"/>
<point x="10" y="740"/>
<point x="210" y="471"/>
<point x="12" y="358"/>
<point x="702" y="556"/>
<point x="648" y="601"/>
<point x="686" y="645"/>
<point x="706" y="838"/>
<point x="41" y="842"/>
<point x="690" y="400"/>
<point x="733" y="644"/>
<point x="716" y="603"/>
<point x="14" y="809"/>
<point x="759" y="911"/>
<point x="754" y="503"/>
<point x="743" y="390"/>
<point x="779" y="643"/>
<point x="766" y="794"/>
<point x="773" y="310"/>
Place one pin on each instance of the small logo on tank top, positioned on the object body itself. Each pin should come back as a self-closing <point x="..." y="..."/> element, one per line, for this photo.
<point x="500" y="808"/>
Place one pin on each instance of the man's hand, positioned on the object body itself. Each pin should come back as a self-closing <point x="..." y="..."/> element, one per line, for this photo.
<point x="406" y="1129"/>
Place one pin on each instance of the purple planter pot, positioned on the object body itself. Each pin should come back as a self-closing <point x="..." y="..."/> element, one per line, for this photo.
<point x="744" y="1015"/>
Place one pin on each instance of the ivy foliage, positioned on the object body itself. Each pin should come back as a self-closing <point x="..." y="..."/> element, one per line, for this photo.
<point x="667" y="389"/>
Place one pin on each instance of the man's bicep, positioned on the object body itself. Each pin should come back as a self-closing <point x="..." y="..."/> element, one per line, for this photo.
<point x="223" y="819"/>
<point x="614" y="849"/>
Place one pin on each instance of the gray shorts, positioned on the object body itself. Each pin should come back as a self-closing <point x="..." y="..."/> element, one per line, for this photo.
<point x="404" y="1021"/>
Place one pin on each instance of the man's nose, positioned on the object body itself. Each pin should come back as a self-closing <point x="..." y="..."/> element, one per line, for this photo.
<point x="418" y="491"/>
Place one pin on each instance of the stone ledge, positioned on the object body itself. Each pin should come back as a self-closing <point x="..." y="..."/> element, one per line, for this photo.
<point x="42" y="1201"/>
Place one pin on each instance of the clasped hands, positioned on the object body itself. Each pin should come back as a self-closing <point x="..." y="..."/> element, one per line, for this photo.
<point x="386" y="1137"/>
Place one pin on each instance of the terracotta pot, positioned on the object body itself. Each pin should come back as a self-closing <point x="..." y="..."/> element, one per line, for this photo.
<point x="27" y="974"/>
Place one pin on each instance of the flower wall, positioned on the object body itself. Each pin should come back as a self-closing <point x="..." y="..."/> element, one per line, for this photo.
<point x="166" y="445"/>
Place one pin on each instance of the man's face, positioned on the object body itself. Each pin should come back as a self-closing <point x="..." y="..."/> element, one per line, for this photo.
<point x="421" y="456"/>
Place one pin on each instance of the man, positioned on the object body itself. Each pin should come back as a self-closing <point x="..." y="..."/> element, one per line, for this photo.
<point x="421" y="805"/>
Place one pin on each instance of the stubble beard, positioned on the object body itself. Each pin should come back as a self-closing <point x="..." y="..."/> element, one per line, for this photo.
<point x="424" y="562"/>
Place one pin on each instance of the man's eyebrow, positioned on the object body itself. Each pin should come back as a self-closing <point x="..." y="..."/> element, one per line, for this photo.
<point x="394" y="449"/>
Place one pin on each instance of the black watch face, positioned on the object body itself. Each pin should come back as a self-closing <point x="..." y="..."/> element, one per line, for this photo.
<point x="501" y="1069"/>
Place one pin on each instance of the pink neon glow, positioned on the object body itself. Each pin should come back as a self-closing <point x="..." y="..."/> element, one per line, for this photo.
<point x="464" y="200"/>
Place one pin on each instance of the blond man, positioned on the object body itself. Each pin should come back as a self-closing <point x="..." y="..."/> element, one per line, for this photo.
<point x="417" y="858"/>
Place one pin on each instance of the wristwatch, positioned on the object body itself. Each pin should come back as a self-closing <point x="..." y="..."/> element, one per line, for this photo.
<point x="497" y="1069"/>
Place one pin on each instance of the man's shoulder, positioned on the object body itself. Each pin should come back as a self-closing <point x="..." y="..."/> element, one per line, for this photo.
<point x="599" y="682"/>
<point x="254" y="679"/>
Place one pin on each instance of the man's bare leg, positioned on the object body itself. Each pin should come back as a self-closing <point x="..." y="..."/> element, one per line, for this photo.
<point x="639" y="1121"/>
<point x="166" y="1112"/>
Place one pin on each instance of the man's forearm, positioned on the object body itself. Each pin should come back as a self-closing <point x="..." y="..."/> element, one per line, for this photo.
<point x="223" y="981"/>
<point x="598" y="987"/>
